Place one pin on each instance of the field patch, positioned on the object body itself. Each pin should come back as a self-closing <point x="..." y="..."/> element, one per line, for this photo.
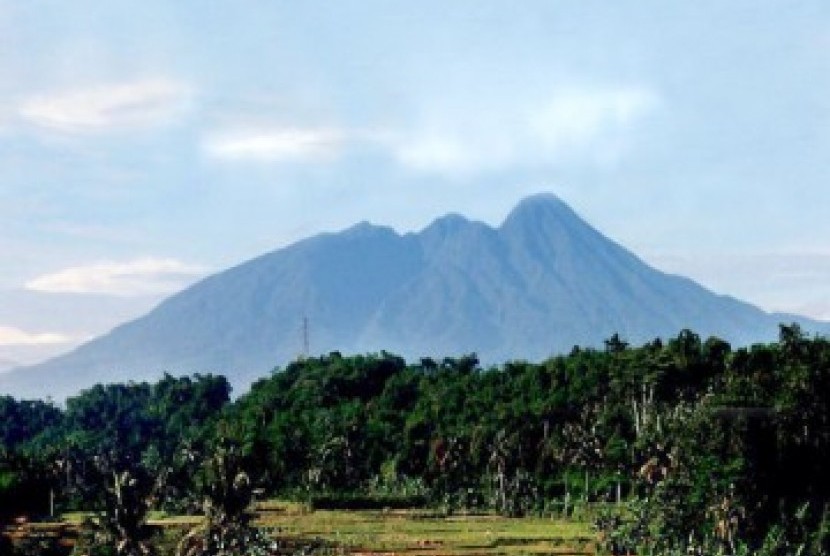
<point x="419" y="533"/>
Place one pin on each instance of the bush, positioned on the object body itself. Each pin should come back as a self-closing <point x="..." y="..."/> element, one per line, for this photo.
<point x="363" y="502"/>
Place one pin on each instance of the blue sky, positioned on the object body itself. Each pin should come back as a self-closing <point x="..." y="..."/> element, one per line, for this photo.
<point x="145" y="144"/>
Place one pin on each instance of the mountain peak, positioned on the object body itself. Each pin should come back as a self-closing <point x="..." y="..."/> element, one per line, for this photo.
<point x="540" y="284"/>
<point x="541" y="210"/>
<point x="448" y="223"/>
<point x="541" y="198"/>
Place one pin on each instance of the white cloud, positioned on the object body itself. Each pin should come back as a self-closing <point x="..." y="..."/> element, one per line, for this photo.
<point x="278" y="145"/>
<point x="580" y="117"/>
<point x="146" y="276"/>
<point x="458" y="150"/>
<point x="10" y="336"/>
<point x="590" y="122"/>
<point x="110" y="107"/>
<point x="442" y="154"/>
<point x="574" y="124"/>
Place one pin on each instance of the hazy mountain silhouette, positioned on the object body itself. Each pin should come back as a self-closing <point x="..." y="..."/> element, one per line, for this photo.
<point x="539" y="284"/>
<point x="6" y="364"/>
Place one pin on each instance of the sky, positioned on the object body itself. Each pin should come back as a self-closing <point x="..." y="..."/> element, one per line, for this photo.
<point x="146" y="144"/>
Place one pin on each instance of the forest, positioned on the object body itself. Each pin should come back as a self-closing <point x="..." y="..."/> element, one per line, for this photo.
<point x="682" y="446"/>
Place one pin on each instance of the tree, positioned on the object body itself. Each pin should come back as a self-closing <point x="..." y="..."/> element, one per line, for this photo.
<point x="123" y="524"/>
<point x="227" y="492"/>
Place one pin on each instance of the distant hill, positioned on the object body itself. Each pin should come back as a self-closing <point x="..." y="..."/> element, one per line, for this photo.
<point x="6" y="364"/>
<point x="537" y="285"/>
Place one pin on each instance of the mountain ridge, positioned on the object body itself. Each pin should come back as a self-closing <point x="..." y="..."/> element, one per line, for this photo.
<point x="535" y="285"/>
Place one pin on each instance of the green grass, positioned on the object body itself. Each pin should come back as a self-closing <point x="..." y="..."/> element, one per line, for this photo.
<point x="418" y="533"/>
<point x="408" y="532"/>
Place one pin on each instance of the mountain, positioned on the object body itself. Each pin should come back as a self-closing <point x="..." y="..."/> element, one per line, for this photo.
<point x="539" y="284"/>
<point x="6" y="364"/>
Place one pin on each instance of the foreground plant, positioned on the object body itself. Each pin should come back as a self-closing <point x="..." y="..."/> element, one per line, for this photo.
<point x="122" y="528"/>
<point x="227" y="529"/>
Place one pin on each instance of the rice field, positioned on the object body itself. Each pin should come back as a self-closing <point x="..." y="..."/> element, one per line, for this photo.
<point x="373" y="533"/>
<point x="417" y="533"/>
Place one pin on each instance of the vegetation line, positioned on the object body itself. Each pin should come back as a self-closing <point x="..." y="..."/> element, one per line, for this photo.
<point x="677" y="447"/>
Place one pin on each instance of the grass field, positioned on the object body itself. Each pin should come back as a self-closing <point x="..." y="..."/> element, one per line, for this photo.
<point x="416" y="533"/>
<point x="379" y="533"/>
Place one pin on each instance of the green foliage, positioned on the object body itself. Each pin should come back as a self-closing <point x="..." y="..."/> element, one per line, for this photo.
<point x="122" y="529"/>
<point x="22" y="421"/>
<point x="227" y="492"/>
<point x="24" y="487"/>
<point x="703" y="447"/>
<point x="346" y="501"/>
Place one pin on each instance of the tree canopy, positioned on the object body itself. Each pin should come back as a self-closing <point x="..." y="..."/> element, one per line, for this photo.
<point x="689" y="440"/>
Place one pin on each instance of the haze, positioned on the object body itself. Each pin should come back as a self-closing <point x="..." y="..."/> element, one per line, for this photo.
<point x="146" y="144"/>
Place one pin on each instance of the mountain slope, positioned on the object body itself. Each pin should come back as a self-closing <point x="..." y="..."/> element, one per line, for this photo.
<point x="540" y="283"/>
